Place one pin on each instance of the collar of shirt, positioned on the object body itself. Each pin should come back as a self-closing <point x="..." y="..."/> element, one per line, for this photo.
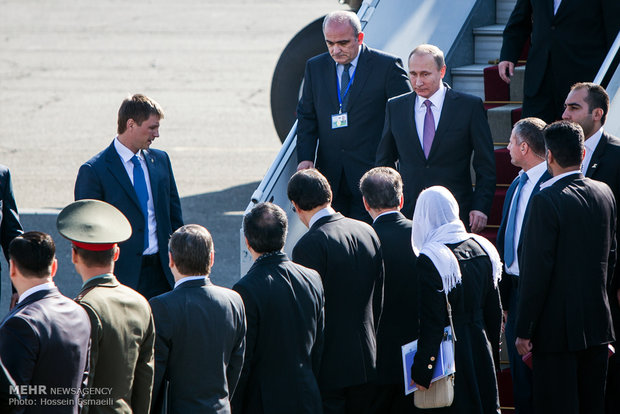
<point x="385" y="213"/>
<point x="125" y="153"/>
<point x="556" y="6"/>
<point x="436" y="99"/>
<point x="340" y="68"/>
<point x="534" y="173"/>
<point x="42" y="286"/>
<point x="591" y="144"/>
<point x="327" y="211"/>
<point x="555" y="179"/>
<point x="593" y="141"/>
<point x="95" y="277"/>
<point x="187" y="279"/>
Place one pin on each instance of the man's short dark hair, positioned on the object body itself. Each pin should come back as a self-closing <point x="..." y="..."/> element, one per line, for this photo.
<point x="191" y="247"/>
<point x="265" y="228"/>
<point x="382" y="187"/>
<point x="596" y="98"/>
<point x="309" y="189"/>
<point x="33" y="254"/>
<point x="530" y="131"/>
<point x="139" y="108"/>
<point x="93" y="258"/>
<point x="564" y="139"/>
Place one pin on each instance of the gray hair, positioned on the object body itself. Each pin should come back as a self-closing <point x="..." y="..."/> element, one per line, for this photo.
<point x="434" y="51"/>
<point x="342" y="16"/>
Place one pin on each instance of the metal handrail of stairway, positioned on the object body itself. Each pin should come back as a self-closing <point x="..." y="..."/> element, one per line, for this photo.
<point x="608" y="77"/>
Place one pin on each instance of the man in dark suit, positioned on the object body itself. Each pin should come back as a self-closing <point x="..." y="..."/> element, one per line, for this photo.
<point x="139" y="182"/>
<point x="200" y="331"/>
<point x="382" y="191"/>
<point x="436" y="148"/>
<point x="569" y="40"/>
<point x="527" y="150"/>
<point x="588" y="105"/>
<point x="44" y="340"/>
<point x="342" y="109"/>
<point x="10" y="227"/>
<point x="568" y="251"/>
<point x="123" y="332"/>
<point x="347" y="255"/>
<point x="284" y="310"/>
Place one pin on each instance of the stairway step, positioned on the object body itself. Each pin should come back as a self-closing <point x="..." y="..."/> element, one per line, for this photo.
<point x="503" y="9"/>
<point x="469" y="79"/>
<point x="500" y="122"/>
<point x="487" y="43"/>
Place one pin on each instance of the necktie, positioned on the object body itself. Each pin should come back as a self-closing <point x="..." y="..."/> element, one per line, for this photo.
<point x="509" y="238"/>
<point x="429" y="129"/>
<point x="345" y="78"/>
<point x="139" y="184"/>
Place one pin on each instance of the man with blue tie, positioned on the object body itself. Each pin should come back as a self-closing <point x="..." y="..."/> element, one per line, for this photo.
<point x="527" y="150"/>
<point x="139" y="182"/>
<point x="342" y="109"/>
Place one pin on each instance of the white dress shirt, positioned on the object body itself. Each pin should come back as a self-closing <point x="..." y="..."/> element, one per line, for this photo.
<point x="126" y="154"/>
<point x="556" y="6"/>
<point x="42" y="286"/>
<point x="340" y="68"/>
<point x="187" y="279"/>
<point x="533" y="175"/>
<point x="384" y="214"/>
<point x="420" y="110"/>
<point x="327" y="211"/>
<point x="590" y="145"/>
<point x="553" y="180"/>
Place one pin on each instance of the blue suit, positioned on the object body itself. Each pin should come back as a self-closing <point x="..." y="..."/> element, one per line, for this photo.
<point x="521" y="374"/>
<point x="104" y="177"/>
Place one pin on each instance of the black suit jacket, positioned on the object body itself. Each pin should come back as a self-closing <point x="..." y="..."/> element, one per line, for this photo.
<point x="569" y="248"/>
<point x="378" y="77"/>
<point x="462" y="130"/>
<point x="10" y="226"/>
<point x="399" y="319"/>
<point x="505" y="285"/>
<point x="574" y="41"/>
<point x="605" y="166"/>
<point x="347" y="255"/>
<point x="44" y="340"/>
<point x="285" y="315"/>
<point x="199" y="347"/>
<point x="104" y="177"/>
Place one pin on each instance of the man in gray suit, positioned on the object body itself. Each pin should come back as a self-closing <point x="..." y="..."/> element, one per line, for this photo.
<point x="200" y="331"/>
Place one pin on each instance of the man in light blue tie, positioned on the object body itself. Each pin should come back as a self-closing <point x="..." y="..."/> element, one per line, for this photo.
<point x="527" y="150"/>
<point x="342" y="109"/>
<point x="139" y="182"/>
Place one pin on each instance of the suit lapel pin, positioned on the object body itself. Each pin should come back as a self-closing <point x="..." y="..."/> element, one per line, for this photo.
<point x="594" y="166"/>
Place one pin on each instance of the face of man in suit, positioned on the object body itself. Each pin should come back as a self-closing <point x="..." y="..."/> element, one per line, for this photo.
<point x="341" y="41"/>
<point x="576" y="109"/>
<point x="139" y="137"/>
<point x="424" y="74"/>
<point x="516" y="149"/>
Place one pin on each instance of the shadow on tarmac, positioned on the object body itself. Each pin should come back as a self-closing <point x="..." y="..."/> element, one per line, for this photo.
<point x="220" y="212"/>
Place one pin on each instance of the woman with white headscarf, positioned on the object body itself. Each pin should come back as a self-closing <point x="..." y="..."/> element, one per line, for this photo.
<point x="468" y="267"/>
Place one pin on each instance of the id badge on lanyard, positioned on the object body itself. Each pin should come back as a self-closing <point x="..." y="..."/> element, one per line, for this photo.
<point x="341" y="119"/>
